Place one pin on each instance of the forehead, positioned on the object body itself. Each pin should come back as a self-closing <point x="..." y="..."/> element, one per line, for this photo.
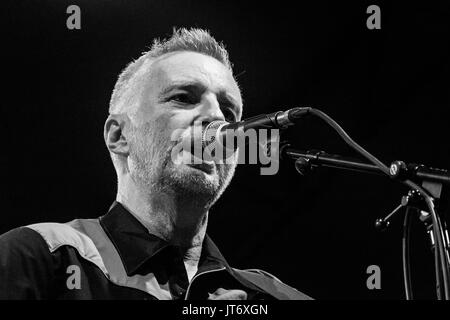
<point x="193" y="67"/>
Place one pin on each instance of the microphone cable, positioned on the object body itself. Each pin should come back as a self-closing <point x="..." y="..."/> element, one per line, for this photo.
<point x="296" y="113"/>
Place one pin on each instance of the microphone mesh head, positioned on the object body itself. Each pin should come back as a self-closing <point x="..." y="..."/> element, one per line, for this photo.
<point x="210" y="132"/>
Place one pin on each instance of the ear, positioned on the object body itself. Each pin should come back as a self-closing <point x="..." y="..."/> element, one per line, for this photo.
<point x="115" y="139"/>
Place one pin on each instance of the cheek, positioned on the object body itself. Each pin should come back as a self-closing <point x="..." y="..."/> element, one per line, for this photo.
<point x="176" y="125"/>
<point x="181" y="120"/>
<point x="164" y="130"/>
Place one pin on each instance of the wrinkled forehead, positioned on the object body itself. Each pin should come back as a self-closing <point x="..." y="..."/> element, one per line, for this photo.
<point x="193" y="67"/>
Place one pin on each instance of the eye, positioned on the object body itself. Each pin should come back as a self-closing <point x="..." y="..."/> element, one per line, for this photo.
<point x="229" y="115"/>
<point x="183" y="98"/>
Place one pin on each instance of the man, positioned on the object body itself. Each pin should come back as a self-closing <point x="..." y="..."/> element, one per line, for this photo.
<point x="152" y="244"/>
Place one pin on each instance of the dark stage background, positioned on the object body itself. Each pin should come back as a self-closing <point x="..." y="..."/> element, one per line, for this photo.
<point x="388" y="88"/>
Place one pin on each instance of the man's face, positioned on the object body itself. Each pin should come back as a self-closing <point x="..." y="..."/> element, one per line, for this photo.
<point x="181" y="89"/>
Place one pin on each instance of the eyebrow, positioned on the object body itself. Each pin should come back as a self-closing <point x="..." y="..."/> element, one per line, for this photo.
<point x="188" y="86"/>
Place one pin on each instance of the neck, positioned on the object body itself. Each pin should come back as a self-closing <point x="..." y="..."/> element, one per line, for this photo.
<point x="180" y="221"/>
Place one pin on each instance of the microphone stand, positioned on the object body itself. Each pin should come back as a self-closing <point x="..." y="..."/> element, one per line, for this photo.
<point x="428" y="185"/>
<point x="435" y="181"/>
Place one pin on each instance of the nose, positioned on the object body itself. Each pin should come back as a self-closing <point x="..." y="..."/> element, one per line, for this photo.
<point x="209" y="109"/>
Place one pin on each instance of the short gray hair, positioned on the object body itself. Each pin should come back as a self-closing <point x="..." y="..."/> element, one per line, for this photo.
<point x="196" y="40"/>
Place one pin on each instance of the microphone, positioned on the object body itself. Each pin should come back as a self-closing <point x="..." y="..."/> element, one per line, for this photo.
<point x="216" y="131"/>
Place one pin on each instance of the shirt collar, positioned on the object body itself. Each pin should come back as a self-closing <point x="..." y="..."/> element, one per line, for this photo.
<point x="136" y="245"/>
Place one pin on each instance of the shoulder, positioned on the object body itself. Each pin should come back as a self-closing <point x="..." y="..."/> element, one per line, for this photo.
<point x="22" y="239"/>
<point x="38" y="240"/>
<point x="46" y="238"/>
<point x="73" y="234"/>
<point x="272" y="284"/>
<point x="56" y="235"/>
<point x="49" y="235"/>
<point x="26" y="265"/>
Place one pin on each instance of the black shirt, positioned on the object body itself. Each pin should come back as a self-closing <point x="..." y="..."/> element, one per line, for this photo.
<point x="114" y="257"/>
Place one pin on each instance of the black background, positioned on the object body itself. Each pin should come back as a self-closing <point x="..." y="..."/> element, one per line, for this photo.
<point x="388" y="88"/>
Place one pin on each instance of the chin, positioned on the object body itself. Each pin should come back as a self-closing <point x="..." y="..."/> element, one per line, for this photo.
<point x="193" y="182"/>
<point x="199" y="185"/>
